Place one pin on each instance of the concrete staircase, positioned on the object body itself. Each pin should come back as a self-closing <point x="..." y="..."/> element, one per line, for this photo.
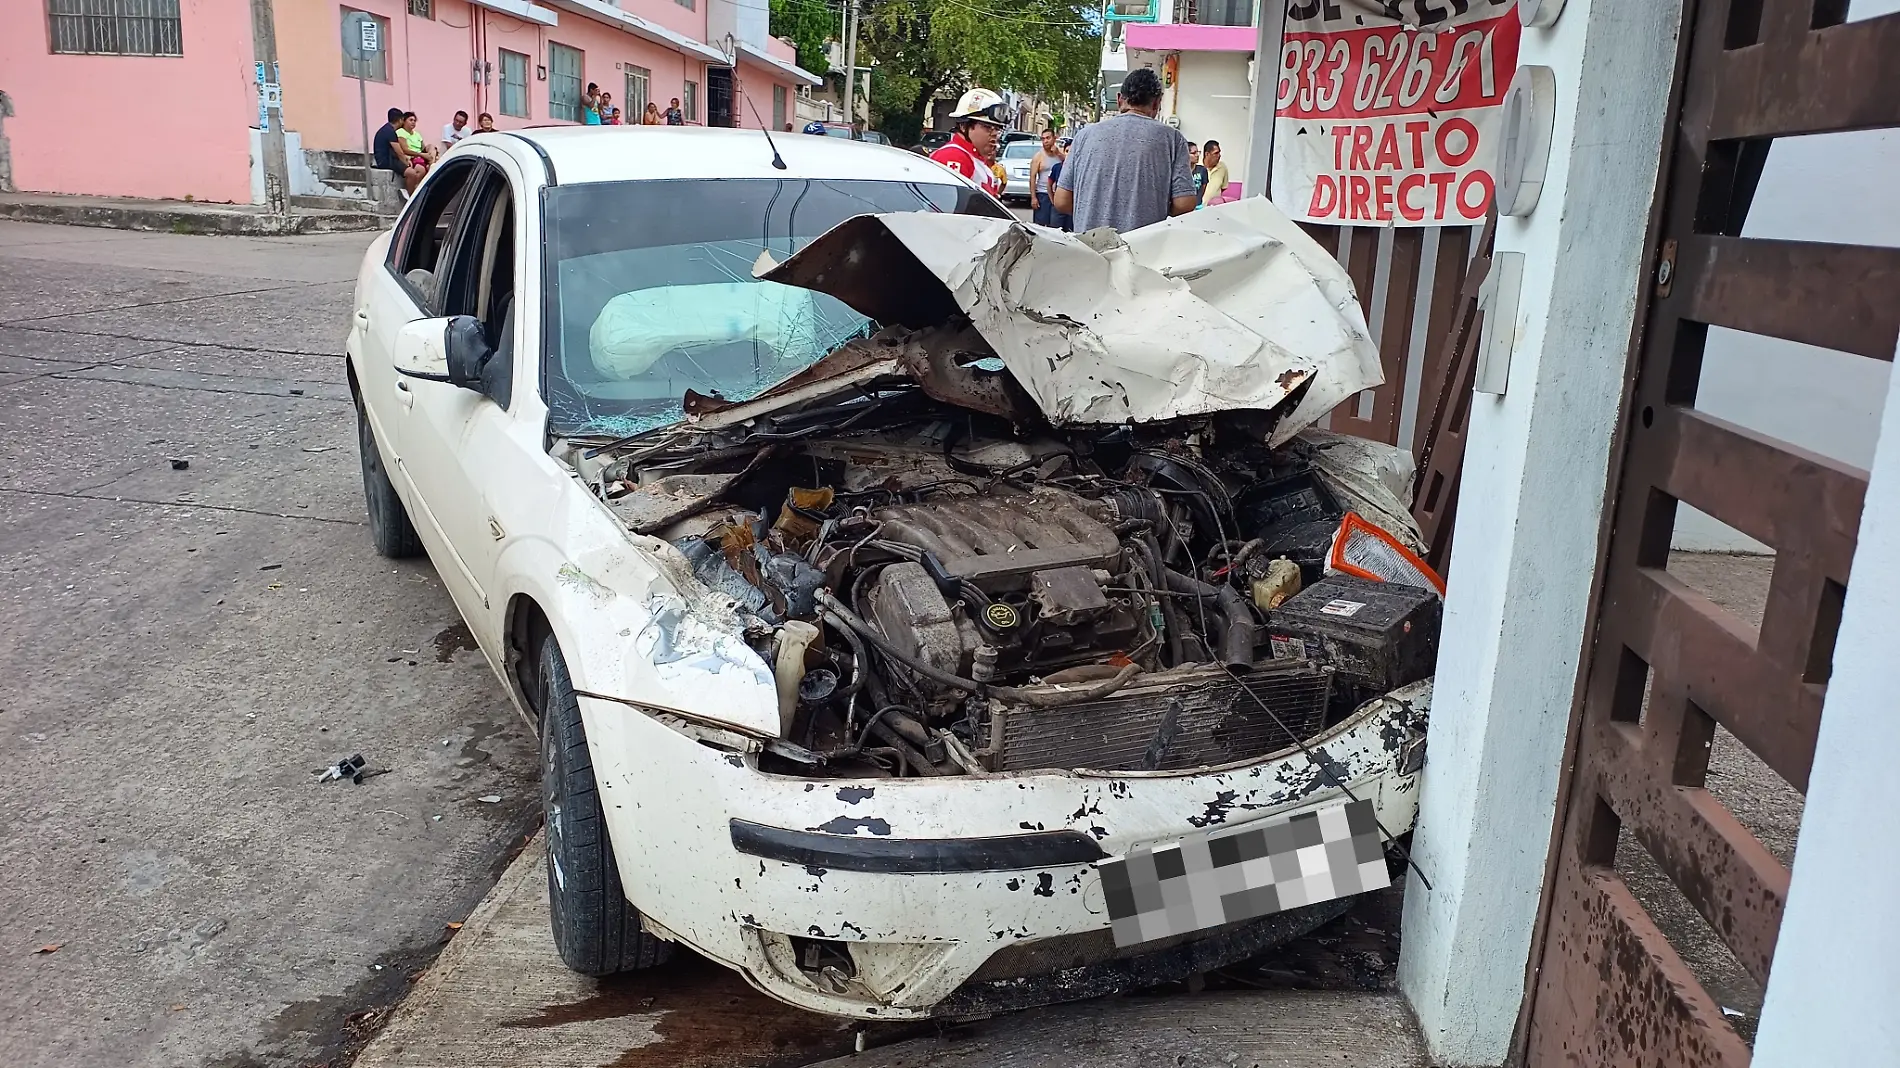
<point x="372" y="191"/>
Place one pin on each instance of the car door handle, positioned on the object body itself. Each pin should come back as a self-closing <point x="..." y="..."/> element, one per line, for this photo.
<point x="406" y="398"/>
<point x="362" y="317"/>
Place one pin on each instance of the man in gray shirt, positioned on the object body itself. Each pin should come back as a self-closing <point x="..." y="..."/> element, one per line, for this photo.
<point x="1128" y="170"/>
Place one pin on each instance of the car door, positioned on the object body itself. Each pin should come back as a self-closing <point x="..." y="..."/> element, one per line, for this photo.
<point x="452" y="439"/>
<point x="407" y="288"/>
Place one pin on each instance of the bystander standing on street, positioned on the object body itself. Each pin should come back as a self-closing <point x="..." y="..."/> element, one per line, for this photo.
<point x="1216" y="184"/>
<point x="1041" y="174"/>
<point x="1064" y="221"/>
<point x="651" y="116"/>
<point x="590" y="105"/>
<point x="1197" y="169"/>
<point x="1128" y="170"/>
<point x="484" y="123"/>
<point x="456" y="130"/>
<point x="674" y="116"/>
<point x="979" y="117"/>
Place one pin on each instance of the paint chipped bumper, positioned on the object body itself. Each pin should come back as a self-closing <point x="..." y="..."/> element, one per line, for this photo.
<point x="950" y="895"/>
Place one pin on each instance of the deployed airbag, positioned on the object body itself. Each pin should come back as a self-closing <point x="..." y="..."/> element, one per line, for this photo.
<point x="633" y="330"/>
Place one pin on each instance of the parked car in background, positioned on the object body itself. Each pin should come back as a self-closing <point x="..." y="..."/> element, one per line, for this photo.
<point x="1016" y="157"/>
<point x="934" y="139"/>
<point x="840" y="129"/>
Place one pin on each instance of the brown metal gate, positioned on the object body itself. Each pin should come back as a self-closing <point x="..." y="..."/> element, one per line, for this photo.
<point x="1666" y="664"/>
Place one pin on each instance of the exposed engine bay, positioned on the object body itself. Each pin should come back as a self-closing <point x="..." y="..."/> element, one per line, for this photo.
<point x="945" y="583"/>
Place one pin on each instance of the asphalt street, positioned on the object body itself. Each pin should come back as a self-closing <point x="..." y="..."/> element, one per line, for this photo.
<point x="193" y="624"/>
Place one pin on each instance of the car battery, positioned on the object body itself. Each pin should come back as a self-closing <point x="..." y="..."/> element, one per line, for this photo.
<point x="1294" y="516"/>
<point x="1378" y="636"/>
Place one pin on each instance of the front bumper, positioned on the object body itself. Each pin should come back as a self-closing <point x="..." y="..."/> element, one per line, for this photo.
<point x="952" y="895"/>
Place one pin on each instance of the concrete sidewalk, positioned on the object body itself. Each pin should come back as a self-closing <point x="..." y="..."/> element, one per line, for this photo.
<point x="180" y="216"/>
<point x="498" y="996"/>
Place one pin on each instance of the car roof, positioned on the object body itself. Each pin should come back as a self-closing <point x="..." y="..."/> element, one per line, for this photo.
<point x="621" y="153"/>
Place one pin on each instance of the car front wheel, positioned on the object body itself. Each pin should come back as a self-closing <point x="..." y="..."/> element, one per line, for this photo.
<point x="389" y="525"/>
<point x="596" y="929"/>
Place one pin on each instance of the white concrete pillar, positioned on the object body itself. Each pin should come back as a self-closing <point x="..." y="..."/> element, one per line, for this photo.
<point x="1529" y="510"/>
<point x="1836" y="974"/>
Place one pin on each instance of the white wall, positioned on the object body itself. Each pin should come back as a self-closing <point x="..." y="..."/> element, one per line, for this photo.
<point x="1211" y="99"/>
<point x="1836" y="973"/>
<point x="1833" y="188"/>
<point x="1528" y="515"/>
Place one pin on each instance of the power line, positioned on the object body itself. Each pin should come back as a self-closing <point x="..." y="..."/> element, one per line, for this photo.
<point x="998" y="17"/>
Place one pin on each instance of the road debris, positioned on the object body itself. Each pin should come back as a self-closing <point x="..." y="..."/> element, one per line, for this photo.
<point x="180" y="465"/>
<point x="50" y="947"/>
<point x="490" y="799"/>
<point x="350" y="768"/>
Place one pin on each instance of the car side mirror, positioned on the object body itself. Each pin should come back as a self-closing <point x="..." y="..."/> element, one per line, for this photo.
<point x="451" y="349"/>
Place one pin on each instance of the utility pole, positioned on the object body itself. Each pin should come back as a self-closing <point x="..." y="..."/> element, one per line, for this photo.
<point x="1269" y="35"/>
<point x="851" y="63"/>
<point x="270" y="107"/>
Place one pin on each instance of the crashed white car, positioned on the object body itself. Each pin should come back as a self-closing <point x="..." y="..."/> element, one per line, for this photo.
<point x="874" y="567"/>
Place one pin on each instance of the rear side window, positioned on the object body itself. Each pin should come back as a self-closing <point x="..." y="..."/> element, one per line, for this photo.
<point x="417" y="252"/>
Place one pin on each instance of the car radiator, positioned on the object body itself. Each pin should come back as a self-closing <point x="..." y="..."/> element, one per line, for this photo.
<point x="1184" y="718"/>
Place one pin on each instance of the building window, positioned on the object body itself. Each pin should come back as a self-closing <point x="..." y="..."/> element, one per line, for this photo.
<point x="778" y="107"/>
<point x="564" y="82"/>
<point x="689" y="102"/>
<point x="639" y="82"/>
<point x="687" y="4"/>
<point x="422" y="9"/>
<point x="374" y="66"/>
<point x="514" y="84"/>
<point x="1224" y="13"/>
<point x="115" y="27"/>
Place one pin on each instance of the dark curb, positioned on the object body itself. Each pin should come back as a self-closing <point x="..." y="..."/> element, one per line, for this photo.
<point x="190" y="221"/>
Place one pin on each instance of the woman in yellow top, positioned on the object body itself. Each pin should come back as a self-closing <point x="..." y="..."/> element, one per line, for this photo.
<point x="412" y="140"/>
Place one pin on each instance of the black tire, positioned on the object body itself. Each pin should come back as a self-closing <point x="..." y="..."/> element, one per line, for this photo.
<point x="596" y="929"/>
<point x="389" y="525"/>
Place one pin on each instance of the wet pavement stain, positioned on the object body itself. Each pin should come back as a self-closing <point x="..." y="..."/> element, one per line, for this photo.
<point x="710" y="1018"/>
<point x="453" y="640"/>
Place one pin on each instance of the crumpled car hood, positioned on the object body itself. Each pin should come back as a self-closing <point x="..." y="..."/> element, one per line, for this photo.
<point x="1225" y="309"/>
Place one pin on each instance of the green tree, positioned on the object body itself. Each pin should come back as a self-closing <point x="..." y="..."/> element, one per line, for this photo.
<point x="926" y="47"/>
<point x="807" y="23"/>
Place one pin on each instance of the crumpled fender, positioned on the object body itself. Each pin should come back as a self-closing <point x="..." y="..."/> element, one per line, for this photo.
<point x="636" y="627"/>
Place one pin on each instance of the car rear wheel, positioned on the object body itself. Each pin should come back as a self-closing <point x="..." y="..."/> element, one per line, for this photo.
<point x="596" y="929"/>
<point x="389" y="525"/>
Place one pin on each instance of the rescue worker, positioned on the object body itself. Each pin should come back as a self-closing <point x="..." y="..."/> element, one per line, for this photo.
<point x="980" y="117"/>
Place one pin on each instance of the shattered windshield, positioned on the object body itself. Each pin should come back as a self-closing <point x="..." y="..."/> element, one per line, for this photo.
<point x="650" y="290"/>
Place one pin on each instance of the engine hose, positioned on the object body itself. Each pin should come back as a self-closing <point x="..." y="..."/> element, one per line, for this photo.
<point x="860" y="663"/>
<point x="898" y="733"/>
<point x="1238" y="634"/>
<point x="1058" y="698"/>
<point x="1150" y="553"/>
<point x="904" y="749"/>
<point x="842" y="617"/>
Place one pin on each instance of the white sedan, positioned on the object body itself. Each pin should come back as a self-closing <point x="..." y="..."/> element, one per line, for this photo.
<point x="852" y="671"/>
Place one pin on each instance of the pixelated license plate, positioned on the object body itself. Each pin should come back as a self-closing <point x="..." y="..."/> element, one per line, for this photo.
<point x="1240" y="873"/>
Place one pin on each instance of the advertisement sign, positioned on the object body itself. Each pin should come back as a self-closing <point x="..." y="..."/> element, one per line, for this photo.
<point x="1389" y="109"/>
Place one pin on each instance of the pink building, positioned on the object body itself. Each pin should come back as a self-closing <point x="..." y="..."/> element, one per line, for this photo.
<point x="185" y="70"/>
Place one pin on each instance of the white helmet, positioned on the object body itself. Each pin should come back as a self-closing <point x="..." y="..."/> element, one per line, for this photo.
<point x="981" y="105"/>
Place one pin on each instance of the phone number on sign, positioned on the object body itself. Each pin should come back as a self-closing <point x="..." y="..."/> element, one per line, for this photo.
<point x="1391" y="70"/>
